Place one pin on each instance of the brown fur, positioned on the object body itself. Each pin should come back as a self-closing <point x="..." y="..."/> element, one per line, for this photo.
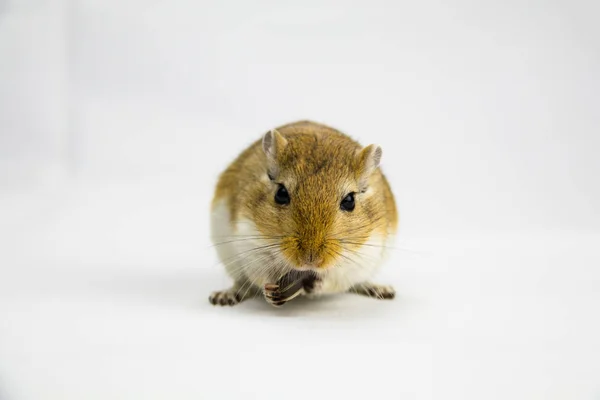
<point x="319" y="166"/>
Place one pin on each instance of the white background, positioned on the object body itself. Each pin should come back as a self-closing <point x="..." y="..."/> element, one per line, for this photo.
<point x="117" y="115"/>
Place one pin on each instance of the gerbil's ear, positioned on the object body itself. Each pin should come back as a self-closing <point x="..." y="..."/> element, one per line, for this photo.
<point x="273" y="144"/>
<point x="368" y="161"/>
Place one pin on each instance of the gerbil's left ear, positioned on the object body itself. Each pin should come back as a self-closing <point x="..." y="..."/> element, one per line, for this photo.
<point x="368" y="159"/>
<point x="273" y="144"/>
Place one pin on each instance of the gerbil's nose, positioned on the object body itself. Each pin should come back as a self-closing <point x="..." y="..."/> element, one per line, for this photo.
<point x="312" y="257"/>
<point x="309" y="252"/>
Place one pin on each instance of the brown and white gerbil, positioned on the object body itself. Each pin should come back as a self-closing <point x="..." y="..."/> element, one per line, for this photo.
<point x="305" y="210"/>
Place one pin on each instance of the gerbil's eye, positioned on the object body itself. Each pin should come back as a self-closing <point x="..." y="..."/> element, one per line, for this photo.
<point x="282" y="196"/>
<point x="348" y="203"/>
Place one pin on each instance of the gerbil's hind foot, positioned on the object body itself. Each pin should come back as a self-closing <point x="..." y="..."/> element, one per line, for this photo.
<point x="230" y="297"/>
<point x="381" y="292"/>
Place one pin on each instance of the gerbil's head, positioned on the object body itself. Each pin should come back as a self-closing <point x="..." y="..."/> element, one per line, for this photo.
<point x="321" y="196"/>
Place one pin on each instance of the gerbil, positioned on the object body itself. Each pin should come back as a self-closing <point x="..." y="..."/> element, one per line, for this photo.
<point x="305" y="210"/>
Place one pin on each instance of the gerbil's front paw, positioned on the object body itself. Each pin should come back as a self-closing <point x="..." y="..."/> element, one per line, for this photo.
<point x="273" y="295"/>
<point x="276" y="295"/>
<point x="229" y="297"/>
<point x="290" y="286"/>
<point x="381" y="292"/>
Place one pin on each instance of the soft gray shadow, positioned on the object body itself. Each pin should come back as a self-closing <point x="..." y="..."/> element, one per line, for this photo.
<point x="340" y="307"/>
<point x="187" y="289"/>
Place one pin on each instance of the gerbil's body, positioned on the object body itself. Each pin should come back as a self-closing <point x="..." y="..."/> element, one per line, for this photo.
<point x="304" y="200"/>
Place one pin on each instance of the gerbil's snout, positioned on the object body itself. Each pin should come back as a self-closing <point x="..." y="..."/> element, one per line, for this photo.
<point x="310" y="252"/>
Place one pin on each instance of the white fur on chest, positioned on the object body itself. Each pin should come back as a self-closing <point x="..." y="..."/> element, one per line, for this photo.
<point x="236" y="246"/>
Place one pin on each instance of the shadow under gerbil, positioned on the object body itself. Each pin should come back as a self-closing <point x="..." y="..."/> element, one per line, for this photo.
<point x="343" y="306"/>
<point x="188" y="288"/>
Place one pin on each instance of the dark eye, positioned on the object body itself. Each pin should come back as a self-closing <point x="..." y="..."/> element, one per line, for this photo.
<point x="348" y="203"/>
<point x="282" y="196"/>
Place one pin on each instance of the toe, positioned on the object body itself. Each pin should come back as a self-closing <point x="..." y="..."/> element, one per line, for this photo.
<point x="277" y="303"/>
<point x="225" y="298"/>
<point x="386" y="292"/>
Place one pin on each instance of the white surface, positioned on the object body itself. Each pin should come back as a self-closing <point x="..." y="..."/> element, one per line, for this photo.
<point x="486" y="111"/>
<point x="116" y="116"/>
<point x="107" y="298"/>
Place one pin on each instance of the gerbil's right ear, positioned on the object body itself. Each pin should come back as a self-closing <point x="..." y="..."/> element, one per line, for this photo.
<point x="368" y="160"/>
<point x="273" y="144"/>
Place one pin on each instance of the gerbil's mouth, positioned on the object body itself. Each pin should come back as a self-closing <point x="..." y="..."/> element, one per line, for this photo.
<point x="311" y="268"/>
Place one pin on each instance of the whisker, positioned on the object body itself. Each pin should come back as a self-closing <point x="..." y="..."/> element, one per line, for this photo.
<point x="340" y="254"/>
<point x="245" y="236"/>
<point x="352" y="242"/>
<point x="370" y="225"/>
<point x="243" y="240"/>
<point x="252" y="250"/>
